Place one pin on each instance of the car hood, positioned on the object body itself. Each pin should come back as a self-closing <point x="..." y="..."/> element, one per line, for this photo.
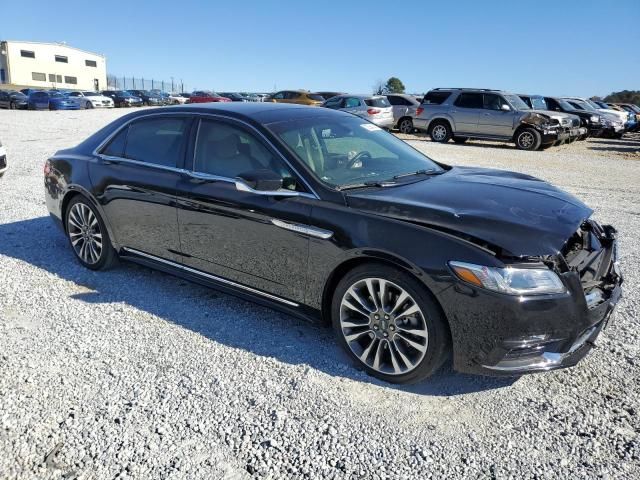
<point x="521" y="214"/>
<point x="100" y="98"/>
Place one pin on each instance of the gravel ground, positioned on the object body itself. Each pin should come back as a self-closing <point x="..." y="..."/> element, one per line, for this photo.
<point x="136" y="374"/>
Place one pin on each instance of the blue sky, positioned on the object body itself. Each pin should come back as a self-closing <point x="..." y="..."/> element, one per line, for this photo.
<point x="547" y="47"/>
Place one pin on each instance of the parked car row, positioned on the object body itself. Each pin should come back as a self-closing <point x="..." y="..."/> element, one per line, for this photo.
<point x="532" y="122"/>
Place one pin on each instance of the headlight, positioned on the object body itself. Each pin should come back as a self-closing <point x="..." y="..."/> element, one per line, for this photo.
<point x="595" y="118"/>
<point x="509" y="280"/>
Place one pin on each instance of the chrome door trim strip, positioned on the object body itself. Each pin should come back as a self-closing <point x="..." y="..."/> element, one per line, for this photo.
<point x="305" y="229"/>
<point x="211" y="277"/>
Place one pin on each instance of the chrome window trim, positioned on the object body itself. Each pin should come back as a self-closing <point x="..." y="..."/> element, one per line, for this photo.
<point x="211" y="277"/>
<point x="96" y="152"/>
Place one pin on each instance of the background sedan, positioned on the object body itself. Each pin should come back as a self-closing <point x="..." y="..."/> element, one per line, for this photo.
<point x="12" y="99"/>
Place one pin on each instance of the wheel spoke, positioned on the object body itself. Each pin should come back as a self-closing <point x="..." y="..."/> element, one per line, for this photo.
<point x="348" y="304"/>
<point x="356" y="296"/>
<point x="354" y="325"/>
<point x="400" y="300"/>
<point x="367" y="351"/>
<point x="414" y="331"/>
<point x="353" y="336"/>
<point x="394" y="361"/>
<point x="383" y="293"/>
<point x="413" y="309"/>
<point x="407" y="362"/>
<point x="376" y="360"/>
<point x="372" y="293"/>
<point x="412" y="343"/>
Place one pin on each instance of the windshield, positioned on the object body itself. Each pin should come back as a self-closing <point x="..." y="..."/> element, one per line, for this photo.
<point x="517" y="102"/>
<point x="313" y="96"/>
<point x="538" y="103"/>
<point x="582" y="104"/>
<point x="347" y="151"/>
<point x="594" y="104"/>
<point x="91" y="94"/>
<point x="564" y="104"/>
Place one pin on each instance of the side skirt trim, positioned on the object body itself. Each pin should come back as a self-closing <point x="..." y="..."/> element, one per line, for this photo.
<point x="210" y="277"/>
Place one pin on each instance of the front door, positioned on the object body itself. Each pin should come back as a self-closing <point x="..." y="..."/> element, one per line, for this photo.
<point x="135" y="180"/>
<point x="494" y="119"/>
<point x="244" y="236"/>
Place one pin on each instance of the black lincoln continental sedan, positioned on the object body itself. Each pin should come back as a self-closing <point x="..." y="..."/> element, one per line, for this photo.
<point x="325" y="215"/>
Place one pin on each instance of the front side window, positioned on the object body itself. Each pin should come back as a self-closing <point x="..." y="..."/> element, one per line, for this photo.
<point x="493" y="101"/>
<point x="344" y="151"/>
<point x="228" y="151"/>
<point x="469" y="100"/>
<point x="159" y="141"/>
<point x="351" y="102"/>
<point x="538" y="103"/>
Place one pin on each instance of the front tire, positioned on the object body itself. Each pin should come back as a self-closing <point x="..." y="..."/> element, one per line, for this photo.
<point x="12" y="106"/>
<point x="440" y="132"/>
<point x="528" y="139"/>
<point x="389" y="324"/>
<point x="88" y="105"/>
<point x="88" y="235"/>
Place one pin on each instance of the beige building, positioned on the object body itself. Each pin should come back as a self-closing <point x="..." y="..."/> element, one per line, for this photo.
<point x="50" y="65"/>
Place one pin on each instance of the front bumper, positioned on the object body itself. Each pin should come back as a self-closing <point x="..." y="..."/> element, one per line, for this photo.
<point x="553" y="136"/>
<point x="495" y="334"/>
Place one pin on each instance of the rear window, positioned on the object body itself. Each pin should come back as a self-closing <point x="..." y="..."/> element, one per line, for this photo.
<point x="379" y="102"/>
<point x="156" y="140"/>
<point x="436" y="97"/>
<point x="469" y="100"/>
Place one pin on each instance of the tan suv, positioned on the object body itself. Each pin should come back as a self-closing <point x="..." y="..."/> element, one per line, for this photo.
<point x="300" y="97"/>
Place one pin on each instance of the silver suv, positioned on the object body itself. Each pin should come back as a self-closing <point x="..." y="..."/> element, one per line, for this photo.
<point x="375" y="108"/>
<point x="404" y="109"/>
<point x="464" y="113"/>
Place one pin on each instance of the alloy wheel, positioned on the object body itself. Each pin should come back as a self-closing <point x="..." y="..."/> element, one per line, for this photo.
<point x="383" y="326"/>
<point x="406" y="126"/>
<point x="526" y="140"/>
<point x="84" y="232"/>
<point x="439" y="133"/>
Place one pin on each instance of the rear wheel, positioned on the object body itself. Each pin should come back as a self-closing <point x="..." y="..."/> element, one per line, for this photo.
<point x="12" y="106"/>
<point x="528" y="139"/>
<point x="389" y="324"/>
<point x="405" y="126"/>
<point x="88" y="235"/>
<point x="440" y="132"/>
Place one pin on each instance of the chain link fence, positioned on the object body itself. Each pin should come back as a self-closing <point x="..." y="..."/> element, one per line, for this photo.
<point x="123" y="82"/>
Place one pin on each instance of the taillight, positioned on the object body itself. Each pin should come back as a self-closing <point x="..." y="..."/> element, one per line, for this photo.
<point x="419" y="110"/>
<point x="373" y="111"/>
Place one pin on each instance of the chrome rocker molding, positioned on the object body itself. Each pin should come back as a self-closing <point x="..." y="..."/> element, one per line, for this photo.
<point x="304" y="229"/>
<point x="208" y="276"/>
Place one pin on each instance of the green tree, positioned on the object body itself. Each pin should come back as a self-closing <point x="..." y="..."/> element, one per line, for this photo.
<point x="625" y="96"/>
<point x="394" y="85"/>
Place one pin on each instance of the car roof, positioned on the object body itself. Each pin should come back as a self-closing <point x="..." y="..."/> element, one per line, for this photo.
<point x="261" y="112"/>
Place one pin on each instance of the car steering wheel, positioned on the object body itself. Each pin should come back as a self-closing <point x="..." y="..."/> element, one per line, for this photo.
<point x="358" y="156"/>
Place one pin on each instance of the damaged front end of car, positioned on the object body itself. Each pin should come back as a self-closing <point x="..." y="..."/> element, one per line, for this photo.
<point x="532" y="332"/>
<point x="550" y="129"/>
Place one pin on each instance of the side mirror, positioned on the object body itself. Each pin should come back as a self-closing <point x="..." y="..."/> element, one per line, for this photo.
<point x="263" y="180"/>
<point x="505" y="107"/>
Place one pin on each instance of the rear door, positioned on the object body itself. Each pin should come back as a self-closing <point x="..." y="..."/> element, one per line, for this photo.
<point x="466" y="111"/>
<point x="494" y="120"/>
<point x="401" y="107"/>
<point x="135" y="180"/>
<point x="354" y="105"/>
